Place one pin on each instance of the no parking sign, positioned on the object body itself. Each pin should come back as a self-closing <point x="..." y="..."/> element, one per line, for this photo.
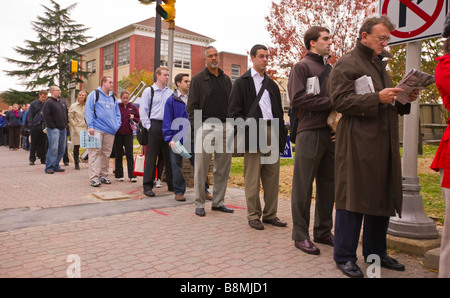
<point x="415" y="19"/>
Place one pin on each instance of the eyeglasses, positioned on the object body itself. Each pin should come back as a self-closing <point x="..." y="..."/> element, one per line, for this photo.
<point x="382" y="38"/>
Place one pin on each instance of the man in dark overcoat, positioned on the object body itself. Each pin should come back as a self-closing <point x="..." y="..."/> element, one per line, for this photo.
<point x="367" y="162"/>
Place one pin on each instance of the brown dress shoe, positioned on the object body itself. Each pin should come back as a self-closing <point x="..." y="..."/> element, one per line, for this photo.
<point x="328" y="240"/>
<point x="256" y="224"/>
<point x="307" y="246"/>
<point x="180" y="197"/>
<point x="275" y="222"/>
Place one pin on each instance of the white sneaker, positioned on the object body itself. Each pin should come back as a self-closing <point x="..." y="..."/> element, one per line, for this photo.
<point x="120" y="179"/>
<point x="158" y="183"/>
<point x="134" y="179"/>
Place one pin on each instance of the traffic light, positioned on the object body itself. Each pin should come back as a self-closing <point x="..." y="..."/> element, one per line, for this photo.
<point x="167" y="11"/>
<point x="73" y="66"/>
<point x="146" y="2"/>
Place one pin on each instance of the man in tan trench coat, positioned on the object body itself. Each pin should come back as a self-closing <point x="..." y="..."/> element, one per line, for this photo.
<point x="367" y="162"/>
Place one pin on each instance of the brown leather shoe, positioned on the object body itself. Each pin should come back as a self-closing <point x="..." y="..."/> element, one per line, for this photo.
<point x="180" y="197"/>
<point x="256" y="224"/>
<point x="307" y="246"/>
<point x="275" y="222"/>
<point x="328" y="240"/>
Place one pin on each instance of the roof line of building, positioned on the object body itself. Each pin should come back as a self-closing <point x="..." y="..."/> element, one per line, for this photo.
<point x="147" y="25"/>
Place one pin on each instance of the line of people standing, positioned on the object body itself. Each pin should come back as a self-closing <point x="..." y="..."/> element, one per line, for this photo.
<point x="14" y="130"/>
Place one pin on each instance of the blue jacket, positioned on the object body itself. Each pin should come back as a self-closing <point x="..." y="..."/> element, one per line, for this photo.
<point x="108" y="113"/>
<point x="174" y="109"/>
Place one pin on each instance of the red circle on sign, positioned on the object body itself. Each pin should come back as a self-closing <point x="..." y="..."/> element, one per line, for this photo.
<point x="399" y="34"/>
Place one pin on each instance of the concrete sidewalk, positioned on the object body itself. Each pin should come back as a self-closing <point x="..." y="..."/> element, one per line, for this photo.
<point x="53" y="226"/>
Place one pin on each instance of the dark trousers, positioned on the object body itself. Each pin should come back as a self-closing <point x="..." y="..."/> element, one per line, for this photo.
<point x="121" y="141"/>
<point x="38" y="145"/>
<point x="14" y="136"/>
<point x="76" y="154"/>
<point x="314" y="159"/>
<point x="347" y="230"/>
<point x="179" y="183"/>
<point x="156" y="145"/>
<point x="2" y="137"/>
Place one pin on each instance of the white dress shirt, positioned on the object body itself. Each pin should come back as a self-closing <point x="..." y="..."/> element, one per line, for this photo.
<point x="159" y="101"/>
<point x="264" y="103"/>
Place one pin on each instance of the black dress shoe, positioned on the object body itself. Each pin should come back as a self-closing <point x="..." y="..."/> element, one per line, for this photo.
<point x="223" y="208"/>
<point x="200" y="211"/>
<point x="390" y="263"/>
<point x="307" y="246"/>
<point x="256" y="224"/>
<point x="350" y="269"/>
<point x="149" y="193"/>
<point x="329" y="240"/>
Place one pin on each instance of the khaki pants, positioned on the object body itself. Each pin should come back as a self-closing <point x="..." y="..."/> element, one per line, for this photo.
<point x="268" y="175"/>
<point x="221" y="172"/>
<point x="99" y="157"/>
<point x="255" y="173"/>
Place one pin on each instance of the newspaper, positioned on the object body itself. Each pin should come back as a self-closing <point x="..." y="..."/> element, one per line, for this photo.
<point x="414" y="79"/>
<point x="179" y="149"/>
<point x="312" y="86"/>
<point x="364" y="85"/>
<point x="88" y="141"/>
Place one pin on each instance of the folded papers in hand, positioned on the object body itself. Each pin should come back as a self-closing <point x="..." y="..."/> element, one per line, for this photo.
<point x="179" y="149"/>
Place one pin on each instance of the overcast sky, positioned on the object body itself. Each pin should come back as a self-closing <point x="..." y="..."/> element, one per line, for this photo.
<point x="236" y="25"/>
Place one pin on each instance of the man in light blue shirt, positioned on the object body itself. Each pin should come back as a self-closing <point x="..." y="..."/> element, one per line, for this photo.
<point x="151" y="112"/>
<point x="103" y="119"/>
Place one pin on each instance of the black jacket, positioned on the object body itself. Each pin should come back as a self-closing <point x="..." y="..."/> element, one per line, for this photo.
<point x="243" y="95"/>
<point x="200" y="92"/>
<point x="35" y="114"/>
<point x="55" y="113"/>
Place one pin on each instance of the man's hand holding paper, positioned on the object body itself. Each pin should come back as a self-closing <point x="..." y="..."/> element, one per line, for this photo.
<point x="414" y="81"/>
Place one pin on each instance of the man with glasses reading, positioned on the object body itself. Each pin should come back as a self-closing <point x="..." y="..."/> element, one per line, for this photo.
<point x="368" y="176"/>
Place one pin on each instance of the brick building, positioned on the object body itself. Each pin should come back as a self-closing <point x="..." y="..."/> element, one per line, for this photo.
<point x="130" y="48"/>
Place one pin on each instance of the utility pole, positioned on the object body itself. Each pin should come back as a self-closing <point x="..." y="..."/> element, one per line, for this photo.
<point x="157" y="54"/>
<point x="168" y="12"/>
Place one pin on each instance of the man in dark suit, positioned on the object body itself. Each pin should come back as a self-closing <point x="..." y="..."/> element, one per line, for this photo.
<point x="250" y="99"/>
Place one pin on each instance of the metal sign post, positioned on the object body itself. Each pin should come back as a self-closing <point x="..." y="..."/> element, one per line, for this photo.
<point x="415" y="20"/>
<point x="414" y="223"/>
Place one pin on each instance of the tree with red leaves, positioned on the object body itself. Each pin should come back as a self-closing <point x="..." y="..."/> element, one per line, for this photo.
<point x="289" y="20"/>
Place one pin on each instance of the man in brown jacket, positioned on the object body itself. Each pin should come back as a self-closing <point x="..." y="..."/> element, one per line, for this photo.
<point x="367" y="162"/>
<point x="314" y="146"/>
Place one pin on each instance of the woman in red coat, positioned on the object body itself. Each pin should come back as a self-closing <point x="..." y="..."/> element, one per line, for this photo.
<point x="441" y="161"/>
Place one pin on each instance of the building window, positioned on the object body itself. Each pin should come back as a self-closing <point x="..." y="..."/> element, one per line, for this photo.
<point x="108" y="57"/>
<point x="235" y="72"/>
<point x="181" y="54"/>
<point x="91" y="66"/>
<point x="124" y="52"/>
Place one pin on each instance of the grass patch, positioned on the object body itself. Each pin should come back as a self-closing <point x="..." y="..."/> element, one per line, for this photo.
<point x="433" y="201"/>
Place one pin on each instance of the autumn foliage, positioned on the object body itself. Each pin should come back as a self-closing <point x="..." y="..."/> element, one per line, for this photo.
<point x="288" y="21"/>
